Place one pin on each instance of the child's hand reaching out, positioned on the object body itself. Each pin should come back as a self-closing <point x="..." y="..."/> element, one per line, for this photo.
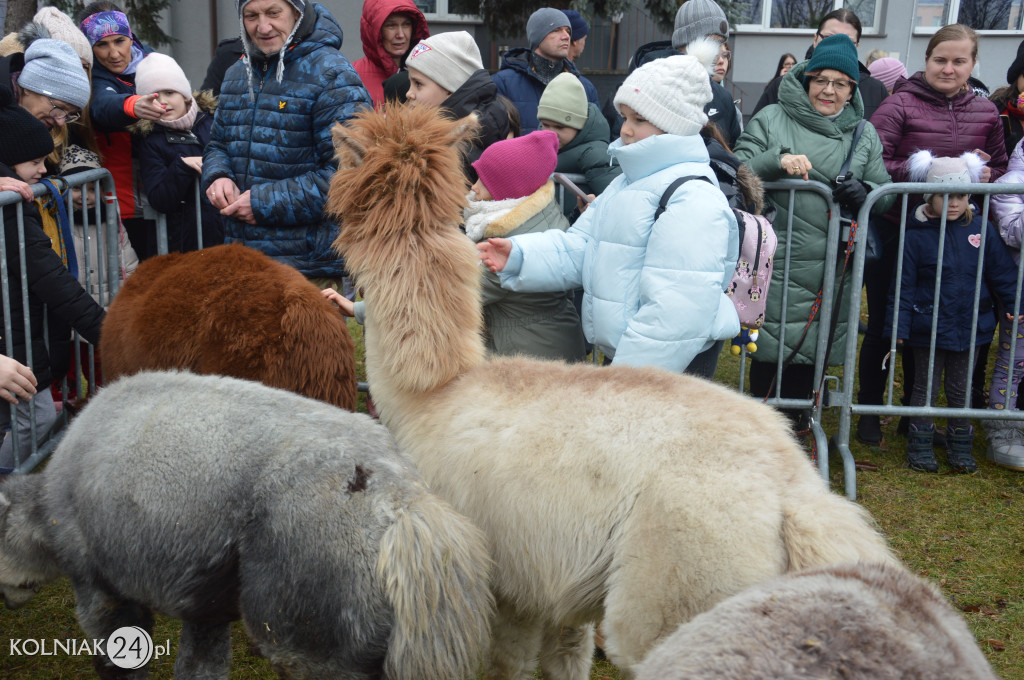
<point x="347" y="306"/>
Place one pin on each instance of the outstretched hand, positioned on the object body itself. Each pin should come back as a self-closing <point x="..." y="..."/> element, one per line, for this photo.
<point x="494" y="253"/>
<point x="347" y="306"/>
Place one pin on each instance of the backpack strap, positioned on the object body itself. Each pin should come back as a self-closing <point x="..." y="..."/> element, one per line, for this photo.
<point x="58" y="197"/>
<point x="667" y="196"/>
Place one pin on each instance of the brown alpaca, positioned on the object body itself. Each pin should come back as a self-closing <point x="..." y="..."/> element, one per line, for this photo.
<point x="636" y="495"/>
<point x="230" y="310"/>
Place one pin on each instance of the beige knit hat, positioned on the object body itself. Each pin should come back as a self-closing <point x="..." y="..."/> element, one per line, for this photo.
<point x="449" y="59"/>
<point x="564" y="101"/>
<point x="672" y="92"/>
<point x="62" y="27"/>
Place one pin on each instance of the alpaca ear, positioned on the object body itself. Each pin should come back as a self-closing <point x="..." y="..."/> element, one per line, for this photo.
<point x="348" y="151"/>
<point x="465" y="131"/>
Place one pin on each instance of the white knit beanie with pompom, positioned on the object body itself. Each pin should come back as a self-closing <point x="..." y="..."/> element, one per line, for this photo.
<point x="672" y="92"/>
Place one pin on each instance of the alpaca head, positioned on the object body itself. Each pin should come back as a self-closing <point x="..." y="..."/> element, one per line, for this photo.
<point x="399" y="171"/>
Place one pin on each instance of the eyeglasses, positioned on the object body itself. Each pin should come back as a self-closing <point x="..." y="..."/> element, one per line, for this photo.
<point x="837" y="85"/>
<point x="59" y="114"/>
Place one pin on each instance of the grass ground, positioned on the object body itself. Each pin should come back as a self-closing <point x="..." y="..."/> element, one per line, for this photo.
<point x="964" y="533"/>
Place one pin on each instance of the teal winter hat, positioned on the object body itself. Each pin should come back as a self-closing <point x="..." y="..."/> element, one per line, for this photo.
<point x="835" y="52"/>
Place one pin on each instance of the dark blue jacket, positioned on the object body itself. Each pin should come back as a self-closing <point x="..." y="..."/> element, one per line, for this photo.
<point x="956" y="295"/>
<point x="110" y="123"/>
<point x="276" y="143"/>
<point x="517" y="81"/>
<point x="479" y="94"/>
<point x="170" y="184"/>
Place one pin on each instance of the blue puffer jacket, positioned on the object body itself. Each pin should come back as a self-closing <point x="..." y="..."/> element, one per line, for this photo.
<point x="653" y="290"/>
<point x="517" y="81"/>
<point x="276" y="143"/>
<point x="956" y="295"/>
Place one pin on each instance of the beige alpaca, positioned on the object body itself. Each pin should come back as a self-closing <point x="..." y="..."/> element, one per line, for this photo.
<point x="635" y="495"/>
<point x="850" y="621"/>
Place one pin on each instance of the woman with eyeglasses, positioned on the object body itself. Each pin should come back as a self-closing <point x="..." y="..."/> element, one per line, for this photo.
<point x="934" y="109"/>
<point x="115" y="106"/>
<point x="808" y="135"/>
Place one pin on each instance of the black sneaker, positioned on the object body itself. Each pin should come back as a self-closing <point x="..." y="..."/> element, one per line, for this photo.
<point x="869" y="430"/>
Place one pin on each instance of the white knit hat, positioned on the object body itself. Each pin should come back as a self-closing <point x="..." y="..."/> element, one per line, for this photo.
<point x="672" y="92"/>
<point x="449" y="59"/>
<point x="160" y="72"/>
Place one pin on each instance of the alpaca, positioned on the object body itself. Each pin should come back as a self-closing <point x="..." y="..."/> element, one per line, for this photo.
<point x="631" y="494"/>
<point x="852" y="621"/>
<point x="210" y="499"/>
<point x="230" y="310"/>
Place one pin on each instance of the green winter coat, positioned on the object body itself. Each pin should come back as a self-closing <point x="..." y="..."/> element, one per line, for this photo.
<point x="794" y="126"/>
<point x="587" y="155"/>
<point x="540" y="325"/>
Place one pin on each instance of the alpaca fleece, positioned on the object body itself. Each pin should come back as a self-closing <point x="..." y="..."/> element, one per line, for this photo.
<point x="230" y="310"/>
<point x="631" y="495"/>
<point x="210" y="499"/>
<point x="851" y="621"/>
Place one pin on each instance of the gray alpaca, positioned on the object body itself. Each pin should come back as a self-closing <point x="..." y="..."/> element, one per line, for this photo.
<point x="853" y="621"/>
<point x="210" y="499"/>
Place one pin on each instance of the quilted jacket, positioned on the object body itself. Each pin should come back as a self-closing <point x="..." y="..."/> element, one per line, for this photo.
<point x="959" y="272"/>
<point x="654" y="290"/>
<point x="275" y="141"/>
<point x="794" y="126"/>
<point x="1008" y="209"/>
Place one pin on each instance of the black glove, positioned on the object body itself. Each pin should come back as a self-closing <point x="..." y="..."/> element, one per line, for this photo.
<point x="851" y="194"/>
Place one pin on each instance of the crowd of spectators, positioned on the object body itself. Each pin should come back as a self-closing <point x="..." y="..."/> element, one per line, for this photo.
<point x="648" y="287"/>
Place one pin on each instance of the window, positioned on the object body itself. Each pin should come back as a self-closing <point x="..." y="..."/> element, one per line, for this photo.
<point x="981" y="15"/>
<point x="786" y="14"/>
<point x="434" y="9"/>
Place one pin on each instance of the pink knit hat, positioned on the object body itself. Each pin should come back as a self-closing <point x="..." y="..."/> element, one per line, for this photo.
<point x="888" y="70"/>
<point x="513" y="168"/>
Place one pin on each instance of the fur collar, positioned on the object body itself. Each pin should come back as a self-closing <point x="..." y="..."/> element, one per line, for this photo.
<point x="491" y="219"/>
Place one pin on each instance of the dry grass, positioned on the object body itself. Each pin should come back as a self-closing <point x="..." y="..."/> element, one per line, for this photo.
<point x="965" y="533"/>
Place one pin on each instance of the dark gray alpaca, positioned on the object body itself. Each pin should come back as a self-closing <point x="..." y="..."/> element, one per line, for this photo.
<point x="210" y="499"/>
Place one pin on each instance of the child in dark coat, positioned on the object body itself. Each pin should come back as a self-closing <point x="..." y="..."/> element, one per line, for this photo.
<point x="953" y="339"/>
<point x="582" y="136"/>
<point x="170" y="153"/>
<point x="53" y="292"/>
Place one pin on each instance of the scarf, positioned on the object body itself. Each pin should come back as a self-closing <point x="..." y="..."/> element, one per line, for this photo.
<point x="185" y="122"/>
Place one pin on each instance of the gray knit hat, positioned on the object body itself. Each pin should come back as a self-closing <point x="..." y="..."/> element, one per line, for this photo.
<point x="53" y="69"/>
<point x="449" y="59"/>
<point x="542" y="22"/>
<point x="697" y="19"/>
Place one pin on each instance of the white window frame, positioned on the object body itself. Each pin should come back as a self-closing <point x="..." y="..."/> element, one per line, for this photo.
<point x="442" y="15"/>
<point x="954" y="12"/>
<point x="766" y="15"/>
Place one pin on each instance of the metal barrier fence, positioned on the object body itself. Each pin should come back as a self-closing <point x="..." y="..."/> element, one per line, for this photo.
<point x="843" y="398"/>
<point x="98" y="261"/>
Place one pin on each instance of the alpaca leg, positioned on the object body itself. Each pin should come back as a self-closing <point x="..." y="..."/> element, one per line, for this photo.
<point x="100" y="615"/>
<point x="514" y="645"/>
<point x="204" y="651"/>
<point x="567" y="652"/>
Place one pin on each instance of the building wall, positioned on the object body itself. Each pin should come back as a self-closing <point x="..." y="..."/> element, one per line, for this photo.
<point x="608" y="47"/>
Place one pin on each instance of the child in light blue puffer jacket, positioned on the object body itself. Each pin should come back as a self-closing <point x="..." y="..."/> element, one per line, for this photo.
<point x="654" y="289"/>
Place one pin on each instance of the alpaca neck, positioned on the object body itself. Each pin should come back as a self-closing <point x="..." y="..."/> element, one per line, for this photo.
<point x="423" y="310"/>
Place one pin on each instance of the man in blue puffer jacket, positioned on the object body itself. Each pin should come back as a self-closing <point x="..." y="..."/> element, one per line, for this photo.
<point x="270" y="159"/>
